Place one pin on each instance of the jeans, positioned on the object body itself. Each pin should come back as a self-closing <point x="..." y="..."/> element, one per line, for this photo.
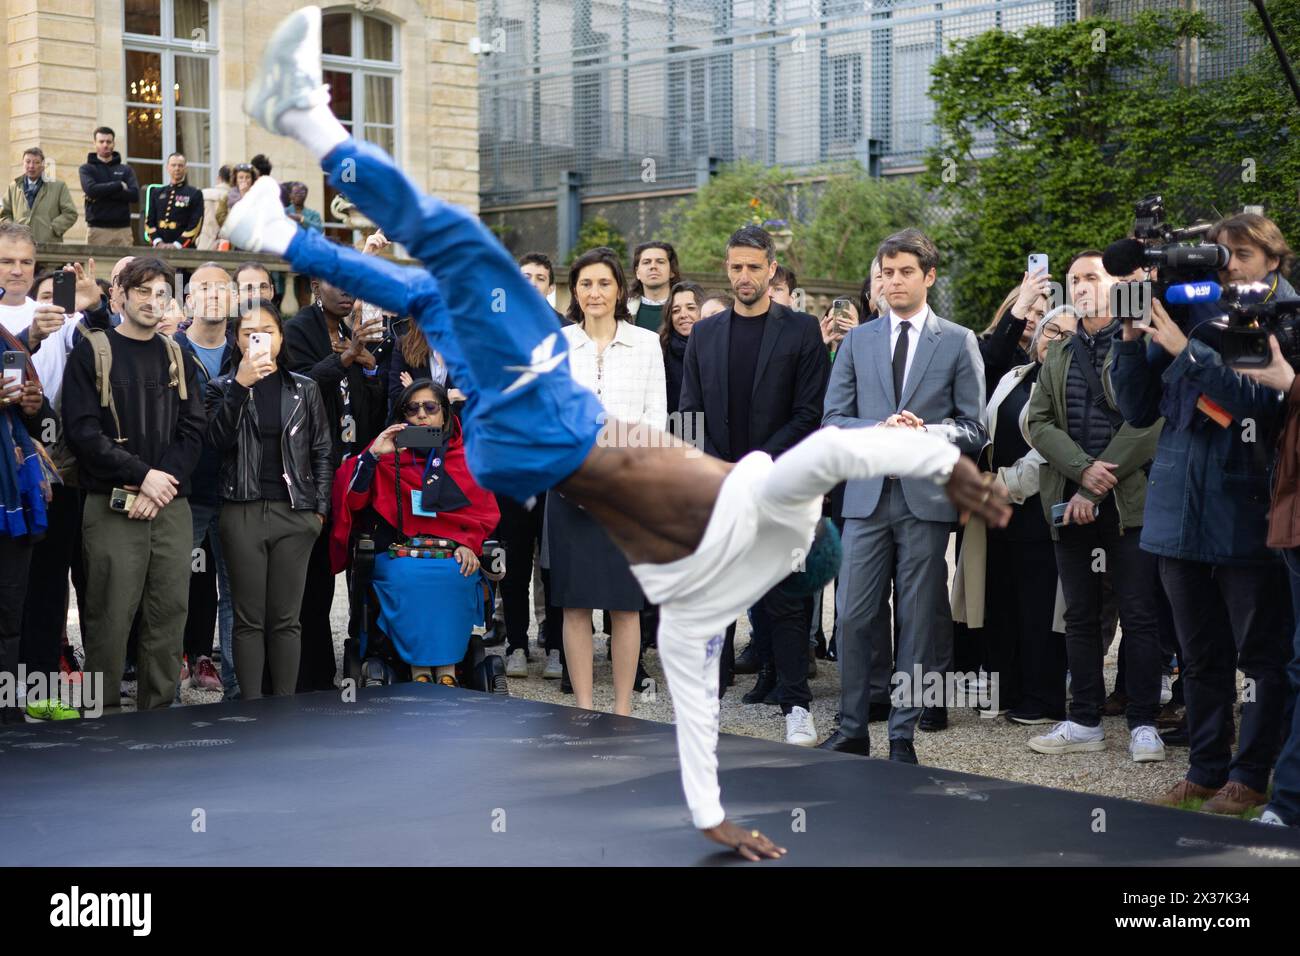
<point x="1080" y="551"/>
<point x="205" y="526"/>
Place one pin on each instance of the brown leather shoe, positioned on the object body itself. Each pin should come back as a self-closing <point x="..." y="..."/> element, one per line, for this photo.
<point x="1180" y="793"/>
<point x="1234" y="799"/>
<point x="1115" y="704"/>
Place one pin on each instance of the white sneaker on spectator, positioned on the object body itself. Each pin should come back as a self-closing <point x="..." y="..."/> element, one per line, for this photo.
<point x="517" y="663"/>
<point x="1145" y="745"/>
<point x="799" y="728"/>
<point x="1270" y="818"/>
<point x="1166" y="688"/>
<point x="554" y="669"/>
<point x="1067" y="737"/>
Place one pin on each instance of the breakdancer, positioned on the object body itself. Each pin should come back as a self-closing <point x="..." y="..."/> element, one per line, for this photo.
<point x="705" y="538"/>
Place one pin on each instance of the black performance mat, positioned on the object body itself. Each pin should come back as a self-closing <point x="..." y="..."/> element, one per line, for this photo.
<point x="426" y="775"/>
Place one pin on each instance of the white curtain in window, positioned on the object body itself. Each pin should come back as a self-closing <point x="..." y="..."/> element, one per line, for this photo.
<point x="194" y="129"/>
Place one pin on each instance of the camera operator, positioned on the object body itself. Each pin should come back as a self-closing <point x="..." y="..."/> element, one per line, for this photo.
<point x="1206" y="520"/>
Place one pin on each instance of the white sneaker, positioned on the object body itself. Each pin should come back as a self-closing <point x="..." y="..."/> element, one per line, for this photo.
<point x="1067" y="737"/>
<point x="1145" y="745"/>
<point x="290" y="77"/>
<point x="517" y="663"/>
<point x="1270" y="818"/>
<point x="799" y="728"/>
<point x="1166" y="689"/>
<point x="258" y="223"/>
<point x="554" y="669"/>
<point x="988" y="713"/>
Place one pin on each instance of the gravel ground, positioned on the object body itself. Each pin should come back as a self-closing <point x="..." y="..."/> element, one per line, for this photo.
<point x="993" y="748"/>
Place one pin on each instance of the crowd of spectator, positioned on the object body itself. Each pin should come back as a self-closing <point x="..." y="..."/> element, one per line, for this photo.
<point x="142" y="430"/>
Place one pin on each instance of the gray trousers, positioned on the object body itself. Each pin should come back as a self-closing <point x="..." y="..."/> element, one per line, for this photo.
<point x="892" y="542"/>
<point x="134" y="564"/>
<point x="267" y="546"/>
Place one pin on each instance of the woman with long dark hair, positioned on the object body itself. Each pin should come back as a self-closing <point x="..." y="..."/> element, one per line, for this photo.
<point x="270" y="427"/>
<point x="428" y="606"/>
<point x="624" y="366"/>
<point x="681" y="312"/>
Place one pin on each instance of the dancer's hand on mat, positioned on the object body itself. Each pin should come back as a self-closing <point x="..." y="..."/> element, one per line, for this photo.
<point x="383" y="445"/>
<point x="750" y="844"/>
<point x="975" y="493"/>
<point x="467" y="560"/>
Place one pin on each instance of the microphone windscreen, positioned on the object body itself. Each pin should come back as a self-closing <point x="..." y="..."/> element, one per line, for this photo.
<point x="1122" y="257"/>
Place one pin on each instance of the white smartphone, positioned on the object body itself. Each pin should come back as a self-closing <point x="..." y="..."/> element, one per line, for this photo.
<point x="372" y="313"/>
<point x="1037" y="262"/>
<point x="259" y="344"/>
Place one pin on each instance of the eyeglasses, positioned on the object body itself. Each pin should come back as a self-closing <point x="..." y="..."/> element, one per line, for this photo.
<point x="414" y="408"/>
<point x="1052" y="333"/>
<point x="163" y="295"/>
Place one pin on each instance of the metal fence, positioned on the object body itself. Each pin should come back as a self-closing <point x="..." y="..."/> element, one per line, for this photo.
<point x="644" y="94"/>
<point x="638" y="94"/>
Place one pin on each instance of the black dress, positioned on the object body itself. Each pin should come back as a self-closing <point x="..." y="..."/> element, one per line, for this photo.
<point x="587" y="568"/>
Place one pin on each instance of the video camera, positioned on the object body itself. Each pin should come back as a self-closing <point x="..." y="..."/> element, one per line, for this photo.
<point x="1157" y="245"/>
<point x="1187" y="276"/>
<point x="1249" y="321"/>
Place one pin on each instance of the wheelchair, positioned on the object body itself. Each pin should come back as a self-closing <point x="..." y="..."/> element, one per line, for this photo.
<point x="369" y="657"/>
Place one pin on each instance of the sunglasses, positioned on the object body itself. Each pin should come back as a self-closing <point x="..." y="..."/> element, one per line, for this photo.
<point x="414" y="408"/>
<point x="1052" y="333"/>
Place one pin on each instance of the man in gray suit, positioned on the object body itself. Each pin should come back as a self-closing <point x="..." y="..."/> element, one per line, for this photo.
<point x="911" y="369"/>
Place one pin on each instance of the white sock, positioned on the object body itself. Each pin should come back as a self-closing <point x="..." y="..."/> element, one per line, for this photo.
<point x="317" y="128"/>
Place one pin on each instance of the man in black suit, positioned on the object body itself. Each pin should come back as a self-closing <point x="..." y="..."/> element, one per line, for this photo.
<point x="757" y="374"/>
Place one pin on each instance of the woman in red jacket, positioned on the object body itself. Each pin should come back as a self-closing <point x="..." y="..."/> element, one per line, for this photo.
<point x="428" y="605"/>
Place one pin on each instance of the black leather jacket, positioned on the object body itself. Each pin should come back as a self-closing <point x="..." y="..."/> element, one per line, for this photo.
<point x="304" y="441"/>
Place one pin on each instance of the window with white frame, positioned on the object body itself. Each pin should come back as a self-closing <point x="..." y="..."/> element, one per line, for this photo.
<point x="170" y="50"/>
<point x="360" y="62"/>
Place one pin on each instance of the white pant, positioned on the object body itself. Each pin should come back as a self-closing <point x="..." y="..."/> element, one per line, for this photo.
<point x="691" y="667"/>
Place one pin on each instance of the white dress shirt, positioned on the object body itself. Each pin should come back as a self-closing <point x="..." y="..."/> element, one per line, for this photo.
<point x="628" y="377"/>
<point x="916" y="323"/>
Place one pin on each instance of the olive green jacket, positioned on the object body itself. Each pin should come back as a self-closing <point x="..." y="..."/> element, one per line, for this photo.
<point x="1045" y="424"/>
<point x="51" y="216"/>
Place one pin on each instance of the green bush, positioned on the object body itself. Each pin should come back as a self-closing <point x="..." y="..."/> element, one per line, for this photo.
<point x="1048" y="137"/>
<point x="594" y="233"/>
<point x="853" y="214"/>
